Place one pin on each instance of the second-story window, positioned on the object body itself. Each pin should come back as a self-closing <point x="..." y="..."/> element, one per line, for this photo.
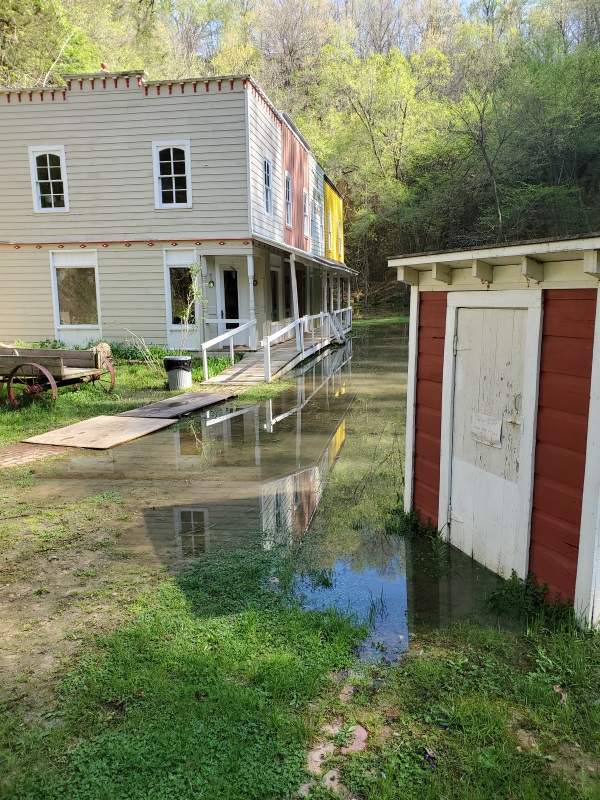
<point x="329" y="232"/>
<point x="288" y="199"/>
<point x="172" y="178"/>
<point x="268" y="185"/>
<point x="49" y="178"/>
<point x="313" y="217"/>
<point x="305" y="211"/>
<point x="339" y="238"/>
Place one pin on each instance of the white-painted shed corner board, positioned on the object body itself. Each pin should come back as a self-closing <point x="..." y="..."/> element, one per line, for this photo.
<point x="587" y="586"/>
<point x="489" y="409"/>
<point x="411" y="396"/>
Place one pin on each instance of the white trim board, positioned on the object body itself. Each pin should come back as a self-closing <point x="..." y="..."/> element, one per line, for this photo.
<point x="587" y="585"/>
<point x="531" y="300"/>
<point x="411" y="398"/>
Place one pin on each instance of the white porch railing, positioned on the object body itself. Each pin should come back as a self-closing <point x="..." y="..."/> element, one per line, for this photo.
<point x="306" y="330"/>
<point x="231" y="334"/>
<point x="344" y="315"/>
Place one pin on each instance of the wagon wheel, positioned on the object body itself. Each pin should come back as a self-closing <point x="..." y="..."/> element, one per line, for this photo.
<point x="106" y="378"/>
<point x="30" y="380"/>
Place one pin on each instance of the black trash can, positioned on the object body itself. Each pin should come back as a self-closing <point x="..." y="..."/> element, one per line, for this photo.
<point x="179" y="371"/>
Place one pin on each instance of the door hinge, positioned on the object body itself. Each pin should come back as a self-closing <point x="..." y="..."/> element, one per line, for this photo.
<point x="455" y="343"/>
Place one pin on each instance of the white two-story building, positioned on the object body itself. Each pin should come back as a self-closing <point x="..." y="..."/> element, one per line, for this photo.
<point x="112" y="187"/>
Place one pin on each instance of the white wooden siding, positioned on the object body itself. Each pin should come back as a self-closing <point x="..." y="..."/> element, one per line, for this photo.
<point x="107" y="135"/>
<point x="26" y="310"/>
<point x="265" y="140"/>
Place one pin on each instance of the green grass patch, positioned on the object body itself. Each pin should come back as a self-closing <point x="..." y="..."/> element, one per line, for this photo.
<point x="263" y="391"/>
<point x="369" y="322"/>
<point x="474" y="713"/>
<point x="203" y="693"/>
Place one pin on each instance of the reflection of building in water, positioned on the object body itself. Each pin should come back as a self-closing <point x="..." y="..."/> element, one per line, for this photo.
<point x="288" y="504"/>
<point x="220" y="478"/>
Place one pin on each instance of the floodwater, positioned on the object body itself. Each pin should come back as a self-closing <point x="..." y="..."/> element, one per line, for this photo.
<point x="312" y="469"/>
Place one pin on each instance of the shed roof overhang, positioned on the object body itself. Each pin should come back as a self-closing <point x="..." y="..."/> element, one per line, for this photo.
<point x="531" y="255"/>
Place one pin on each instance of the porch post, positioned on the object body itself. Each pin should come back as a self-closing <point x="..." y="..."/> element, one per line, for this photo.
<point x="294" y="285"/>
<point x="339" y="292"/>
<point x="252" y="310"/>
<point x="203" y="278"/>
<point x="331" y="306"/>
<point x="324" y="284"/>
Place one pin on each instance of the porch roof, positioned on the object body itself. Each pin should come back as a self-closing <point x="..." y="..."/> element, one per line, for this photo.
<point x="325" y="263"/>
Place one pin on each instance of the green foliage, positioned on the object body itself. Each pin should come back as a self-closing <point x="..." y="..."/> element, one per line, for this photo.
<point x="410" y="524"/>
<point x="518" y="596"/>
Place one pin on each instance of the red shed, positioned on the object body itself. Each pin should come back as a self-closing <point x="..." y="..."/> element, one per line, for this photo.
<point x="503" y="408"/>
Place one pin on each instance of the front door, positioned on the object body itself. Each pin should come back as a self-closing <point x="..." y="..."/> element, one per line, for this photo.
<point x="231" y="306"/>
<point x="491" y="436"/>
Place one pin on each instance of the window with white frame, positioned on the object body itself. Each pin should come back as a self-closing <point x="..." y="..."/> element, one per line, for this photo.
<point x="172" y="174"/>
<point x="49" y="178"/>
<point x="268" y="180"/>
<point x="329" y="232"/>
<point x="313" y="217"/>
<point x="288" y="199"/>
<point x="339" y="237"/>
<point x="75" y="289"/>
<point x="305" y="211"/>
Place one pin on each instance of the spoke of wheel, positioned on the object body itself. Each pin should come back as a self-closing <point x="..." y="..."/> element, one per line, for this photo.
<point x="31" y="381"/>
<point x="106" y="379"/>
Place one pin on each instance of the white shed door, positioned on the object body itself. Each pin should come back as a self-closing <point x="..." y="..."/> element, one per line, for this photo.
<point x="487" y="489"/>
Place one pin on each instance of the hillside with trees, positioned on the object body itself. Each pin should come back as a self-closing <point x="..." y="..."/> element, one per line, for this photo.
<point x="444" y="125"/>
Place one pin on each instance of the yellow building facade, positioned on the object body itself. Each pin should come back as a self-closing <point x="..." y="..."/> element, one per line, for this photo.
<point x="334" y="223"/>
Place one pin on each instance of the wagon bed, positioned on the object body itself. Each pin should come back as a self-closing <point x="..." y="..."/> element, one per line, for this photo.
<point x="31" y="372"/>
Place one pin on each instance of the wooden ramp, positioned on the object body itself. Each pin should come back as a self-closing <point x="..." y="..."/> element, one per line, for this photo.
<point x="100" y="433"/>
<point x="251" y="369"/>
<point x="175" y="407"/>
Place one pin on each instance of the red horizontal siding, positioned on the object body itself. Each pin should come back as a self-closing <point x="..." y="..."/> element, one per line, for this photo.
<point x="563" y="407"/>
<point x="428" y="418"/>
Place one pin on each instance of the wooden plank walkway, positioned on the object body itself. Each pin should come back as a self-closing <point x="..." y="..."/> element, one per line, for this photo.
<point x="251" y="369"/>
<point x="101" y="433"/>
<point x="175" y="407"/>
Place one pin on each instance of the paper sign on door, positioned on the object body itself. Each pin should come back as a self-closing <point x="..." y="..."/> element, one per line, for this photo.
<point x="486" y="429"/>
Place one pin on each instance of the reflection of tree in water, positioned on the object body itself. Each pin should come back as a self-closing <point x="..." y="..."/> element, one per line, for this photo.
<point x="181" y="295"/>
<point x="379" y="551"/>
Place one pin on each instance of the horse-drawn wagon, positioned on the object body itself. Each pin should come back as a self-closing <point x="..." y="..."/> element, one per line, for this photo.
<point x="30" y="372"/>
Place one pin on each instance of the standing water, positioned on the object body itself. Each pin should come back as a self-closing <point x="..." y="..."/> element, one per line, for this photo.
<point x="317" y="468"/>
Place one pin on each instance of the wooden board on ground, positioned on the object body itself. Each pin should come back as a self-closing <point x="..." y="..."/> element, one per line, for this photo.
<point x="174" y="407"/>
<point x="100" y="433"/>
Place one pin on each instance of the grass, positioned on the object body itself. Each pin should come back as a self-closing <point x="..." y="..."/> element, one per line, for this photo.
<point x="263" y="391"/>
<point x="136" y="384"/>
<point x="472" y="713"/>
<point x="200" y="693"/>
<point x="370" y="322"/>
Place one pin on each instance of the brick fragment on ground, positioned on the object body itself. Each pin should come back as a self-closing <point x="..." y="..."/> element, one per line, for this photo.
<point x="15" y="455"/>
<point x="359" y="743"/>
